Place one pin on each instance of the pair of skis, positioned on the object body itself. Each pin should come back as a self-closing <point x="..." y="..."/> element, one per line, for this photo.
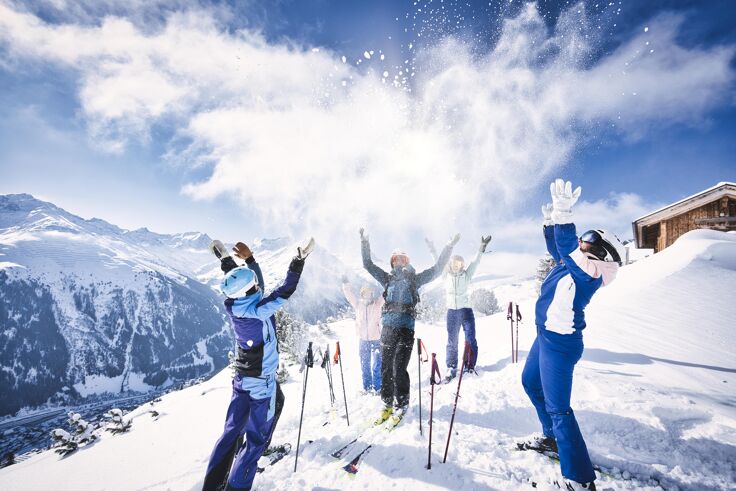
<point x="603" y="472"/>
<point x="353" y="466"/>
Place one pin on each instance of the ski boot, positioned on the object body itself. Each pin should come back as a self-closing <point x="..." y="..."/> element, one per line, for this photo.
<point x="385" y="414"/>
<point x="543" y="444"/>
<point x="397" y="416"/>
<point x="578" y="486"/>
<point x="450" y="376"/>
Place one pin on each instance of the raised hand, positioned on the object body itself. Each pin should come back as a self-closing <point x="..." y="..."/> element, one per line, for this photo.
<point x="242" y="251"/>
<point x="547" y="214"/>
<point x="455" y="240"/>
<point x="303" y="252"/>
<point x="484" y="241"/>
<point x="563" y="199"/>
<point x="363" y="235"/>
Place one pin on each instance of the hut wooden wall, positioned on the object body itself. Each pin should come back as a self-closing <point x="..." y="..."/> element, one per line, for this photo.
<point x="672" y="228"/>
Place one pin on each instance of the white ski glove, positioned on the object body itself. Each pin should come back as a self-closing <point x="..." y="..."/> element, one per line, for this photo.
<point x="563" y="199"/>
<point x="547" y="214"/>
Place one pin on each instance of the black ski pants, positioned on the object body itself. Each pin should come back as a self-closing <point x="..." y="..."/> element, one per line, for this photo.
<point x="397" y="344"/>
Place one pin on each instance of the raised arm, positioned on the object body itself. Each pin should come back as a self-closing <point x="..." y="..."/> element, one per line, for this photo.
<point x="348" y="292"/>
<point x="549" y="238"/>
<point x="433" y="272"/>
<point x="243" y="252"/>
<point x="470" y="270"/>
<point x="253" y="265"/>
<point x="276" y="299"/>
<point x="365" y="249"/>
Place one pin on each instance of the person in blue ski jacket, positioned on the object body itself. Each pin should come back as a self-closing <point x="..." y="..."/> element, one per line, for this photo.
<point x="582" y="266"/>
<point x="401" y="293"/>
<point x="252" y="405"/>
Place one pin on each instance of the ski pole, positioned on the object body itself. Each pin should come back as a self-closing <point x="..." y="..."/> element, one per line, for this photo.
<point x="309" y="362"/>
<point x="419" y="378"/>
<point x="342" y="377"/>
<point x="432" y="382"/>
<point x="518" y="319"/>
<point x="510" y="317"/>
<point x="328" y="371"/>
<point x="466" y="360"/>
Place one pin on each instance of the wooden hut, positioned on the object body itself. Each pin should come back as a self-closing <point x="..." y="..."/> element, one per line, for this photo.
<point x="714" y="208"/>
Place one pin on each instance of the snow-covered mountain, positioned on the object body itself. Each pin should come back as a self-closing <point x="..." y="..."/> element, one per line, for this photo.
<point x="653" y="395"/>
<point x="87" y="307"/>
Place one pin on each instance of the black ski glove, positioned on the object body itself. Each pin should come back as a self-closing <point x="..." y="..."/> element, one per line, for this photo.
<point x="297" y="265"/>
<point x="484" y="241"/>
<point x="227" y="264"/>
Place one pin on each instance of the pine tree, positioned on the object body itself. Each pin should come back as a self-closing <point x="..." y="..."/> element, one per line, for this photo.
<point x="544" y="266"/>
<point x="116" y="423"/>
<point x="484" y="301"/>
<point x="291" y="333"/>
<point x="82" y="433"/>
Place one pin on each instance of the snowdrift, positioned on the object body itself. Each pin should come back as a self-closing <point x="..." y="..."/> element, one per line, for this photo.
<point x="654" y="395"/>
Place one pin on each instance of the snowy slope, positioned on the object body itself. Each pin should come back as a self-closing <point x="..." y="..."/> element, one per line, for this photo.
<point x="653" y="395"/>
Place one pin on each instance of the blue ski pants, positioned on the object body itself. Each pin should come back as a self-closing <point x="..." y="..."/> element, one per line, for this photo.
<point x="547" y="380"/>
<point x="250" y="412"/>
<point x="370" y="364"/>
<point x="455" y="319"/>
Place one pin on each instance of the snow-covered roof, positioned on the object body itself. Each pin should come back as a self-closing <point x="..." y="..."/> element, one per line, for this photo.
<point x="697" y="199"/>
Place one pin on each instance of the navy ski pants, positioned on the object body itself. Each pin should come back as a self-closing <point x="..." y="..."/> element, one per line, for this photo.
<point x="455" y="319"/>
<point x="547" y="380"/>
<point x="370" y="351"/>
<point x="250" y="412"/>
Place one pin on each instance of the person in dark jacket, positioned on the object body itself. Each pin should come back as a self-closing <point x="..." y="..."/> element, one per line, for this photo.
<point x="401" y="293"/>
<point x="252" y="406"/>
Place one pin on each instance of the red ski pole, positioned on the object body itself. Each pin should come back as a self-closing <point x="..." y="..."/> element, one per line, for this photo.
<point x="466" y="361"/>
<point x="432" y="382"/>
<point x="518" y="319"/>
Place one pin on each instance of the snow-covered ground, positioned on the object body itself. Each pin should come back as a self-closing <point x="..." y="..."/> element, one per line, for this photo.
<point x="654" y="395"/>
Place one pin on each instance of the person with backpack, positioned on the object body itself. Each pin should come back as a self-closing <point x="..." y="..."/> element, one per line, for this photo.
<point x="457" y="278"/>
<point x="582" y="266"/>
<point x="401" y="294"/>
<point x="253" y="403"/>
<point x="367" y="306"/>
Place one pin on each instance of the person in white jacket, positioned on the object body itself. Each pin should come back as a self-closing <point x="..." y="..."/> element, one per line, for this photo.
<point x="457" y="278"/>
<point x="367" y="308"/>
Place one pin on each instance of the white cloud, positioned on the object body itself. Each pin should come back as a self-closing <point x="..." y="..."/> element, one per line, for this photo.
<point x="615" y="213"/>
<point x="283" y="135"/>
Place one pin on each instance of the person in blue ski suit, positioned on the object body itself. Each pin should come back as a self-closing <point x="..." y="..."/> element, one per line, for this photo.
<point x="401" y="293"/>
<point x="252" y="405"/>
<point x="581" y="268"/>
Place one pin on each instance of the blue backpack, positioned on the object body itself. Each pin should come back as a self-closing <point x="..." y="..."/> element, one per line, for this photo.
<point x="401" y="293"/>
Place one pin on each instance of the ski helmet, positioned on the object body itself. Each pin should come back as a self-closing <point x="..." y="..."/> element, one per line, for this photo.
<point x="238" y="282"/>
<point x="398" y="253"/>
<point x="604" y="245"/>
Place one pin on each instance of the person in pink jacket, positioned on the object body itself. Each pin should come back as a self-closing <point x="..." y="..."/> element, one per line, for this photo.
<point x="368" y="327"/>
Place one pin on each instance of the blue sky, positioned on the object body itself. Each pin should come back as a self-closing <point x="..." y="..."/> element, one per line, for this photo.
<point x="140" y="137"/>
